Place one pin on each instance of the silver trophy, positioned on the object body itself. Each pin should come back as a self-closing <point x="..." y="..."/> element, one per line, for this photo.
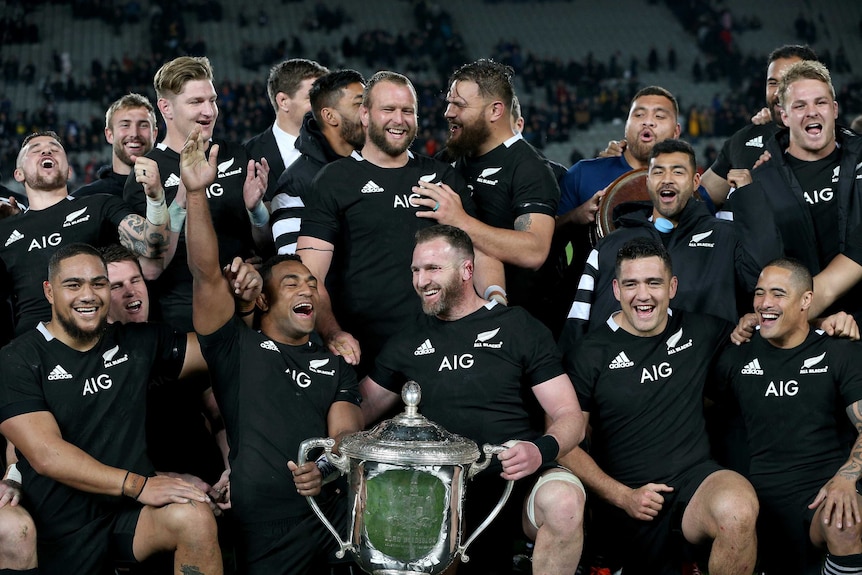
<point x="407" y="481"/>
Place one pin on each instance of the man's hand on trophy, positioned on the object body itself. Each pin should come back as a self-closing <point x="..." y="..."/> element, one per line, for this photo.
<point x="520" y="460"/>
<point x="307" y="478"/>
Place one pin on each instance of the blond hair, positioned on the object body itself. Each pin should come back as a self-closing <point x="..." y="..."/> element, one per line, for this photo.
<point x="172" y="77"/>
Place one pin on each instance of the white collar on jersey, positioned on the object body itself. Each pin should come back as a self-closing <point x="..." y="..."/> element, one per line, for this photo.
<point x="612" y="323"/>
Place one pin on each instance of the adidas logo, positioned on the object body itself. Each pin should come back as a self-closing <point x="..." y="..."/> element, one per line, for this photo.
<point x="371" y="188"/>
<point x="425" y="348"/>
<point x="752" y="368"/>
<point x="173" y="180"/>
<point x="270" y="345"/>
<point x="621" y="361"/>
<point x="755" y="142"/>
<point x="14" y="237"/>
<point x="59" y="373"/>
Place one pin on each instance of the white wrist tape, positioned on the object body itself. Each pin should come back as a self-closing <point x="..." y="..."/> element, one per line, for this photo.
<point x="13" y="473"/>
<point x="157" y="211"/>
<point x="259" y="215"/>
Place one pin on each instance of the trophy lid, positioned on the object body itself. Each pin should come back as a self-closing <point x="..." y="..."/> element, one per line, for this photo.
<point x="410" y="438"/>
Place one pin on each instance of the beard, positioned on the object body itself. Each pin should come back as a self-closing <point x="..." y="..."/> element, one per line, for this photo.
<point x="640" y="150"/>
<point x="352" y="133"/>
<point x="377" y="135"/>
<point x="43" y="183"/>
<point x="468" y="141"/>
<point x="450" y="297"/>
<point x="123" y="156"/>
<point x="82" y="335"/>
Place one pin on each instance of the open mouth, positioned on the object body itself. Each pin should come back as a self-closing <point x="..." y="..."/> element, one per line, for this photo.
<point x="47" y="163"/>
<point x="134" y="145"/>
<point x="303" y="309"/>
<point x="397" y="132"/>
<point x="644" y="311"/>
<point x="767" y="318"/>
<point x="646" y="136"/>
<point x="815" y="129"/>
<point x="667" y="192"/>
<point x="134" y="306"/>
<point x="86" y="312"/>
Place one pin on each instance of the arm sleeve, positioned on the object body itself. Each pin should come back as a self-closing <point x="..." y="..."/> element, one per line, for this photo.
<point x="321" y="216"/>
<point x="569" y="185"/>
<point x="536" y="190"/>
<point x="758" y="238"/>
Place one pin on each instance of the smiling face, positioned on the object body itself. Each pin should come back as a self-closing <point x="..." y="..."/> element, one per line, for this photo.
<point x="195" y="105"/>
<point x="439" y="277"/>
<point x="671" y="181"/>
<point x="651" y="120"/>
<point x="130" y="301"/>
<point x="42" y="165"/>
<point x="79" y="293"/>
<point x="348" y="111"/>
<point x="290" y="301"/>
<point x="781" y="306"/>
<point x="809" y="110"/>
<point x="131" y="134"/>
<point x="644" y="289"/>
<point x="774" y="73"/>
<point x="465" y="112"/>
<point x="390" y="121"/>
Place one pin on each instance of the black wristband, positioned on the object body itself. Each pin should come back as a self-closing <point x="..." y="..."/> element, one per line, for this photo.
<point x="246" y="313"/>
<point x="548" y="447"/>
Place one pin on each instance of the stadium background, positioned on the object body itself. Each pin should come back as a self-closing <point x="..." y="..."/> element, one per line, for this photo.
<point x="577" y="62"/>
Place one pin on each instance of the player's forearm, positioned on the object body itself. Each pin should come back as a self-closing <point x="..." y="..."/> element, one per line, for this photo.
<point x="852" y="468"/>
<point x="325" y="323"/>
<point x="521" y="248"/>
<point x="488" y="272"/>
<point x="67" y="464"/>
<point x="142" y="237"/>
<point x="157" y="238"/>
<point x="201" y="240"/>
<point x="599" y="482"/>
<point x="567" y="427"/>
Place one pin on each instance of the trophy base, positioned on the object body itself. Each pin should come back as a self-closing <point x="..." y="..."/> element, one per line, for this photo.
<point x="394" y="572"/>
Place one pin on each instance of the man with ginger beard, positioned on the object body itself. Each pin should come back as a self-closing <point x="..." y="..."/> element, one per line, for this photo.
<point x="515" y="191"/>
<point x="130" y="128"/>
<point x="359" y="224"/>
<point x="276" y="389"/>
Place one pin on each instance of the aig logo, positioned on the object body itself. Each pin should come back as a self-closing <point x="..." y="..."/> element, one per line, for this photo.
<point x="93" y="385"/>
<point x="656" y="372"/>
<point x="215" y="190"/>
<point x="52" y="241"/>
<point x="301" y="378"/>
<point x="456" y="362"/>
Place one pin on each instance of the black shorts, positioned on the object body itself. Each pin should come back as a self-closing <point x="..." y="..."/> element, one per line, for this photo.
<point x="784" y="543"/>
<point x="94" y="548"/>
<point x="654" y="547"/>
<point x="293" y="545"/>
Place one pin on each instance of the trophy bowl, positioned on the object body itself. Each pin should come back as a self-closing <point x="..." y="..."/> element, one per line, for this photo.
<point x="407" y="481"/>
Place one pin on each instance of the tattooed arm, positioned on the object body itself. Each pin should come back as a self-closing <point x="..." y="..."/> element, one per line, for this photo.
<point x="838" y="496"/>
<point x="142" y="236"/>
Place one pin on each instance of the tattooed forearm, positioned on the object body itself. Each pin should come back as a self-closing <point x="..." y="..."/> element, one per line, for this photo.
<point x="523" y="223"/>
<point x="852" y="469"/>
<point x="190" y="570"/>
<point x="143" y="237"/>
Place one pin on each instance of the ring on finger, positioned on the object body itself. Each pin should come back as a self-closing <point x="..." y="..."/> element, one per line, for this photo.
<point x="436" y="206"/>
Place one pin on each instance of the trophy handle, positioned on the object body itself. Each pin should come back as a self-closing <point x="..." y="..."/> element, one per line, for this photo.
<point x="340" y="462"/>
<point x="489" y="451"/>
